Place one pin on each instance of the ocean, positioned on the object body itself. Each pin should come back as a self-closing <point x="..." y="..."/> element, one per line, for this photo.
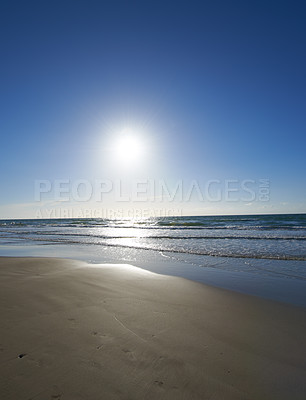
<point x="263" y="255"/>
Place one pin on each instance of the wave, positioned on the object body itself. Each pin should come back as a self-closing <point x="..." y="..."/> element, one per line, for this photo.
<point x="284" y="235"/>
<point x="292" y="238"/>
<point x="164" y="227"/>
<point x="239" y="222"/>
<point x="167" y="250"/>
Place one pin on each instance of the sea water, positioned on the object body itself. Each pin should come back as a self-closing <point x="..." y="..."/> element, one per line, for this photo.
<point x="263" y="255"/>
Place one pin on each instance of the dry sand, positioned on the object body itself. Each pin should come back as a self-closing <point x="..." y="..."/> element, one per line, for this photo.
<point x="119" y="332"/>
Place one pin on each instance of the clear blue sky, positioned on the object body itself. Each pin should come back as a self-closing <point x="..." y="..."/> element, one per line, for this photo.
<point x="218" y="87"/>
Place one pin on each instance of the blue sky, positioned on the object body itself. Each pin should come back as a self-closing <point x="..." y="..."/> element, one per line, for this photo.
<point x="216" y="88"/>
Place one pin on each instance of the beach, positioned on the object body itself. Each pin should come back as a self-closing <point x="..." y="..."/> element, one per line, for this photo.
<point x="153" y="201"/>
<point x="261" y="255"/>
<point x="72" y="330"/>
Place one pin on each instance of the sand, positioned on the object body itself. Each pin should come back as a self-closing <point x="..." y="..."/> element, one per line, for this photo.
<point x="70" y="330"/>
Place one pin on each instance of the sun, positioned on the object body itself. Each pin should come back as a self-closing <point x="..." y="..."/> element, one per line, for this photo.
<point x="129" y="148"/>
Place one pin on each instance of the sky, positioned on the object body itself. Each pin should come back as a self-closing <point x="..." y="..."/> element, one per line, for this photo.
<point x="214" y="92"/>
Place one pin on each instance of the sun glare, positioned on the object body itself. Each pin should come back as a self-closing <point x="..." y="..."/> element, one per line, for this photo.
<point x="129" y="148"/>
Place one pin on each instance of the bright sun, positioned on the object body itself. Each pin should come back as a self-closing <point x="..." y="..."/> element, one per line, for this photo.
<point x="129" y="148"/>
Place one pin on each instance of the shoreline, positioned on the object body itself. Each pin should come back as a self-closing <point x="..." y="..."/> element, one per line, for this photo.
<point x="276" y="287"/>
<point x="116" y="331"/>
